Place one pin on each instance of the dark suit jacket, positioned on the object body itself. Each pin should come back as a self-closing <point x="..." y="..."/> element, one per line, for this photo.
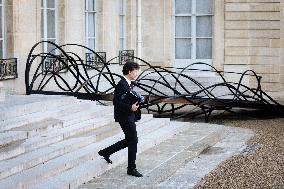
<point x="122" y="111"/>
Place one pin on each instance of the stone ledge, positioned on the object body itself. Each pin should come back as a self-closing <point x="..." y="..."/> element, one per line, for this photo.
<point x="2" y="93"/>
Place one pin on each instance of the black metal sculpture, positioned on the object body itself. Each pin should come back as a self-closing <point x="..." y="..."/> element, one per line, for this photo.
<point x="167" y="89"/>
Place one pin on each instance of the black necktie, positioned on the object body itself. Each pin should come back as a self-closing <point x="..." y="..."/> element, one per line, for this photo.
<point x="131" y="86"/>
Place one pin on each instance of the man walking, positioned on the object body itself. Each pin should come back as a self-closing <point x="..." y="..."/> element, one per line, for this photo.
<point x="126" y="115"/>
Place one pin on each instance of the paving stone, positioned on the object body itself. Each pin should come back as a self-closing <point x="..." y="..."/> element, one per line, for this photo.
<point x="198" y="167"/>
<point x="187" y="175"/>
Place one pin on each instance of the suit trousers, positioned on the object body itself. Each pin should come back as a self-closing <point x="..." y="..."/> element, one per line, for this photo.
<point x="130" y="141"/>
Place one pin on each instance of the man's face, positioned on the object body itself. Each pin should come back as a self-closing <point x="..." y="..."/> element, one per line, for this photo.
<point x="133" y="74"/>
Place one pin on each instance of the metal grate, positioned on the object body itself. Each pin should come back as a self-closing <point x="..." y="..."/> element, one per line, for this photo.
<point x="54" y="64"/>
<point x="126" y="55"/>
<point x="8" y="68"/>
<point x="96" y="60"/>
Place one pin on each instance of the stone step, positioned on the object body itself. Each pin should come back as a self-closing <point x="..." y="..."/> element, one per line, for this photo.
<point x="163" y="160"/>
<point x="40" y="127"/>
<point x="92" y="112"/>
<point x="199" y="78"/>
<point x="44" y="139"/>
<point x="12" y="150"/>
<point x="219" y="92"/>
<point x="26" y="119"/>
<point x="197" y="168"/>
<point x="205" y="81"/>
<point x="27" y="178"/>
<point x="74" y="177"/>
<point x="31" y="159"/>
<point x="72" y="131"/>
<point x="191" y="73"/>
<point x="185" y="83"/>
<point x="11" y="136"/>
<point x="65" y="133"/>
<point x="8" y="111"/>
<point x="164" y="170"/>
<point x="114" y="128"/>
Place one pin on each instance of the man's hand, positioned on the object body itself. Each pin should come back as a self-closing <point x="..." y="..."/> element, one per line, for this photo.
<point x="135" y="107"/>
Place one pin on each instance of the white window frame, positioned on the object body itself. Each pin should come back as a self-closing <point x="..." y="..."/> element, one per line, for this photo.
<point x="122" y="36"/>
<point x="3" y="38"/>
<point x="193" y="15"/>
<point x="45" y="27"/>
<point x="87" y="12"/>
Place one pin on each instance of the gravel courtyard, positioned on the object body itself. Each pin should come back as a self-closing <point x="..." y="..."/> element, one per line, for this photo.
<point x="262" y="167"/>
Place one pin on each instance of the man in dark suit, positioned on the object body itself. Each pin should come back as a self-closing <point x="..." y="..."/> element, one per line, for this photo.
<point x="126" y="115"/>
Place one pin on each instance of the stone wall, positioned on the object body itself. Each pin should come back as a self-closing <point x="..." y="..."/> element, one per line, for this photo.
<point x="248" y="34"/>
<point x="253" y="40"/>
<point x="157" y="32"/>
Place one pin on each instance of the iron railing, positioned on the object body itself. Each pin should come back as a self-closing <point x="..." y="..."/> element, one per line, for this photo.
<point x="95" y="59"/>
<point x="126" y="55"/>
<point x="8" y="68"/>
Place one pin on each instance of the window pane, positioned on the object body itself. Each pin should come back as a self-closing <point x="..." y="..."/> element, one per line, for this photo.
<point x="91" y="44"/>
<point x="50" y="23"/>
<point x="91" y="4"/>
<point x="1" y="27"/>
<point x="204" y="26"/>
<point x="183" y="6"/>
<point x="203" y="48"/>
<point x="183" y="26"/>
<point x="50" y="3"/>
<point x="91" y="25"/>
<point x="204" y="6"/>
<point x="183" y="48"/>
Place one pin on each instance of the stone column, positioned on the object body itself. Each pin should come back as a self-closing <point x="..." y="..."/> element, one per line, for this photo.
<point x="218" y="41"/>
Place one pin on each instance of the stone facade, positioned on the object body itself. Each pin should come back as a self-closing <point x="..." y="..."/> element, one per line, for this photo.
<point x="247" y="34"/>
<point x="253" y="40"/>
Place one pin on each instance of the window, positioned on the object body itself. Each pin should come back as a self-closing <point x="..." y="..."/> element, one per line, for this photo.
<point x="2" y="29"/>
<point x="193" y="31"/>
<point x="49" y="19"/>
<point x="121" y="24"/>
<point x="90" y="12"/>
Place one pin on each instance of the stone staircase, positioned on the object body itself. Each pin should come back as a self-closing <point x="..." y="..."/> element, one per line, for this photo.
<point x="52" y="141"/>
<point x="205" y="80"/>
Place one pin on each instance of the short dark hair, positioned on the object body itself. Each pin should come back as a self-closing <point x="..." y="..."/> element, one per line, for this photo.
<point x="130" y="66"/>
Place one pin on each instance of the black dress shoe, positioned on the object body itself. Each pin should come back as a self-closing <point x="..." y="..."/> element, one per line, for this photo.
<point x="134" y="172"/>
<point x="106" y="157"/>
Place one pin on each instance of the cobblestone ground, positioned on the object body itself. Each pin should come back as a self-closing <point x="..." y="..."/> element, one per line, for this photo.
<point x="262" y="167"/>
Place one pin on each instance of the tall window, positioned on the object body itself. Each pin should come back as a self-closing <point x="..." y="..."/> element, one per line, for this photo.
<point x="2" y="33"/>
<point x="49" y="13"/>
<point x="122" y="24"/>
<point x="90" y="12"/>
<point x="193" y="30"/>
